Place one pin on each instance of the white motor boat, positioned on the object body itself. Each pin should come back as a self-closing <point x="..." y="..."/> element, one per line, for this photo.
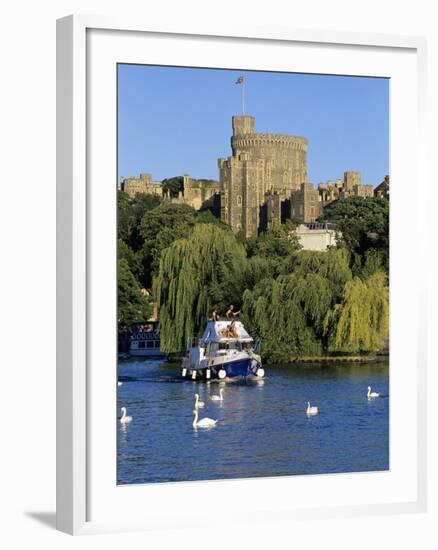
<point x="225" y="350"/>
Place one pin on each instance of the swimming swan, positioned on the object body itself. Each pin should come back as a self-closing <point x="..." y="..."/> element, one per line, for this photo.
<point x="219" y="397"/>
<point x="204" y="422"/>
<point x="125" y="419"/>
<point x="119" y="383"/>
<point x="198" y="404"/>
<point x="311" y="410"/>
<point x="371" y="394"/>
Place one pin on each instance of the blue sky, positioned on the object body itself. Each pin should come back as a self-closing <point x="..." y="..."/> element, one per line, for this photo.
<point x="175" y="121"/>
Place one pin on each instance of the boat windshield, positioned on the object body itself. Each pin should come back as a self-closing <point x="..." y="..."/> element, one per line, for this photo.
<point x="231" y="345"/>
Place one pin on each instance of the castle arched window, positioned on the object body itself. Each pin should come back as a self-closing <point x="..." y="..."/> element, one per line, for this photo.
<point x="239" y="200"/>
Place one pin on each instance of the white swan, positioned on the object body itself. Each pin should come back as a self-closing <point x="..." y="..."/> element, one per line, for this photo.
<point x="311" y="410"/>
<point x="125" y="419"/>
<point x="119" y="383"/>
<point x="219" y="397"/>
<point x="198" y="404"/>
<point x="204" y="422"/>
<point x="372" y="394"/>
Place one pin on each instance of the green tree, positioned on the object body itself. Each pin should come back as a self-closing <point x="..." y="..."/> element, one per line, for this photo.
<point x="123" y="216"/>
<point x="274" y="312"/>
<point x="364" y="224"/>
<point x="159" y="228"/>
<point x="133" y="306"/>
<point x="173" y="185"/>
<point x="258" y="268"/>
<point x="332" y="265"/>
<point x="130" y="213"/>
<point x="288" y="311"/>
<point x="124" y="252"/>
<point x="206" y="216"/>
<point x="279" y="241"/>
<point x="196" y="273"/>
<point x="361" y="322"/>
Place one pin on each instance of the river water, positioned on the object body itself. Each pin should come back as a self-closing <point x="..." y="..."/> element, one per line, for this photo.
<point x="262" y="428"/>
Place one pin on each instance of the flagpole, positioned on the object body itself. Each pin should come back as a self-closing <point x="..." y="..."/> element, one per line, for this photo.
<point x="243" y="97"/>
<point x="241" y="82"/>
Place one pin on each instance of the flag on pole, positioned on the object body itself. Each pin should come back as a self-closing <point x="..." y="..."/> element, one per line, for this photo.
<point x="241" y="80"/>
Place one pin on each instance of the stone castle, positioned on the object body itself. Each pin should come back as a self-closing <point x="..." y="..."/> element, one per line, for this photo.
<point x="262" y="183"/>
<point x="194" y="193"/>
<point x="142" y="184"/>
<point x="265" y="181"/>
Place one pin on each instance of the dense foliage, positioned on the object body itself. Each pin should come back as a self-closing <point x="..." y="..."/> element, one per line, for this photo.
<point x="300" y="303"/>
<point x="195" y="274"/>
<point x="289" y="312"/>
<point x="173" y="186"/>
<point x="360" y="322"/>
<point x="133" y="306"/>
<point x="364" y="224"/>
<point x="130" y="213"/>
<point x="158" y="230"/>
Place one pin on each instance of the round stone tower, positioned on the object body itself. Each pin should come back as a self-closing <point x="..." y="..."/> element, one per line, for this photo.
<point x="263" y="167"/>
<point x="284" y="155"/>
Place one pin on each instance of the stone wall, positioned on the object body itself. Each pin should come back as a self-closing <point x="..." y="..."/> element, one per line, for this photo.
<point x="306" y="205"/>
<point x="142" y="184"/>
<point x="350" y="186"/>
<point x="194" y="192"/>
<point x="382" y="190"/>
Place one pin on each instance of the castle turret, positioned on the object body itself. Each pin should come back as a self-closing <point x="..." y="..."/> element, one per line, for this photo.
<point x="351" y="179"/>
<point x="243" y="125"/>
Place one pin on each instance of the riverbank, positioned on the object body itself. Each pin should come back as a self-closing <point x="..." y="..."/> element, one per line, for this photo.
<point x="338" y="359"/>
<point x="176" y="358"/>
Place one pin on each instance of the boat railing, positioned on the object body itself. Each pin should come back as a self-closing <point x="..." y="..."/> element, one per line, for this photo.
<point x="152" y="335"/>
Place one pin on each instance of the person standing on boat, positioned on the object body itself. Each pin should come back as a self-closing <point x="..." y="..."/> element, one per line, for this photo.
<point x="214" y="314"/>
<point x="230" y="314"/>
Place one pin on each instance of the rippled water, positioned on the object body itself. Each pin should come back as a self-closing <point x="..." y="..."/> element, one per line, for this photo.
<point x="262" y="428"/>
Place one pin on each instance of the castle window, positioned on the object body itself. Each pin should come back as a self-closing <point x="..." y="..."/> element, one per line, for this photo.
<point x="239" y="200"/>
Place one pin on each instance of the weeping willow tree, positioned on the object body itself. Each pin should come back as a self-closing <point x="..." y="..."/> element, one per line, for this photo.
<point x="361" y="322"/>
<point x="288" y="312"/>
<point x="195" y="273"/>
<point x="332" y="265"/>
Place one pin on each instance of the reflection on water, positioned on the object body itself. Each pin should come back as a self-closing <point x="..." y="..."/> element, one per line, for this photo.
<point x="262" y="428"/>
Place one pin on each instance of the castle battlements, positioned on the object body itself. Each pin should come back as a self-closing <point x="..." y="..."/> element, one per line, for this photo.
<point x="265" y="181"/>
<point x="193" y="192"/>
<point x="259" y="140"/>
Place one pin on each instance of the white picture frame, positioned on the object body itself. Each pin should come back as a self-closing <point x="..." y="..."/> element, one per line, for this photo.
<point x="85" y="501"/>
